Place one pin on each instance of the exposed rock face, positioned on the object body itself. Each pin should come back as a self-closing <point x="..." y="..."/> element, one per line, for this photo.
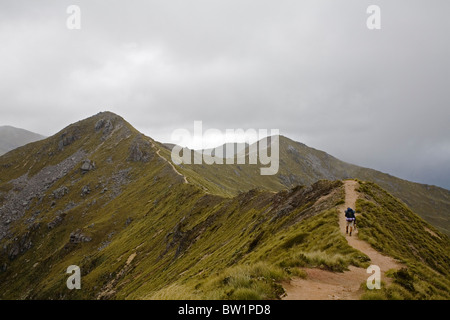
<point x="116" y="182"/>
<point x="60" y="192"/>
<point x="55" y="222"/>
<point x="14" y="251"/>
<point x="292" y="150"/>
<point x="19" y="245"/>
<point x="106" y="125"/>
<point x="140" y="150"/>
<point x="85" y="191"/>
<point x="291" y="180"/>
<point x="18" y="200"/>
<point x="78" y="237"/>
<point x="87" y="166"/>
<point x="100" y="123"/>
<point x="68" y="137"/>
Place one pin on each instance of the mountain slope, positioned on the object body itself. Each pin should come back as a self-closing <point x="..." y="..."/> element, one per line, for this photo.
<point x="386" y="229"/>
<point x="302" y="165"/>
<point x="102" y="196"/>
<point x="98" y="195"/>
<point x="393" y="229"/>
<point x="322" y="284"/>
<point x="11" y="138"/>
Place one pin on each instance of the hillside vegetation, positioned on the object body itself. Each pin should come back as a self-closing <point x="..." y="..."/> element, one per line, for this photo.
<point x="302" y="165"/>
<point x="393" y="229"/>
<point x="102" y="196"/>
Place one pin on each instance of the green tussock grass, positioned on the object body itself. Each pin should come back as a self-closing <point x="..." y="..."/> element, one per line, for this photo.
<point x="180" y="237"/>
<point x="302" y="165"/>
<point x="258" y="281"/>
<point x="235" y="242"/>
<point x="174" y="292"/>
<point x="391" y="227"/>
<point x="315" y="243"/>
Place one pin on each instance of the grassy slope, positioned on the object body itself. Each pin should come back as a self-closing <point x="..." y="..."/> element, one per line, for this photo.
<point x="179" y="235"/>
<point x="430" y="202"/>
<point x="161" y="238"/>
<point x="392" y="228"/>
<point x="302" y="165"/>
<point x="177" y="231"/>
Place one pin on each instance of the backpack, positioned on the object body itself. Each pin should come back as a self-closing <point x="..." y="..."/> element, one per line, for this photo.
<point x="350" y="213"/>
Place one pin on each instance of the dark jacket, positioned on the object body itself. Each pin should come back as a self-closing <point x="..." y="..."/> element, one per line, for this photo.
<point x="350" y="213"/>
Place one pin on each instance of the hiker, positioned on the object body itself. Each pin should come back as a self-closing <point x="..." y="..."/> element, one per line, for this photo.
<point x="351" y="220"/>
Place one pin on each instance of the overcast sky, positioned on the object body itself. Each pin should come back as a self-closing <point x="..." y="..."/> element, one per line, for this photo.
<point x="312" y="69"/>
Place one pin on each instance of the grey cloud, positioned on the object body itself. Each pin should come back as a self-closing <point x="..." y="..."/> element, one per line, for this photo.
<point x="309" y="68"/>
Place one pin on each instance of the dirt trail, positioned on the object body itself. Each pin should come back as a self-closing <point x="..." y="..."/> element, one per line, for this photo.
<point x="170" y="163"/>
<point x="326" y="285"/>
<point x="384" y="262"/>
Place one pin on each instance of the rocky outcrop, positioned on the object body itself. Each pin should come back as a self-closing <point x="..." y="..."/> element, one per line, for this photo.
<point x="104" y="124"/>
<point x="78" y="237"/>
<point x="291" y="180"/>
<point x="140" y="150"/>
<point x="99" y="125"/>
<point x="26" y="189"/>
<point x="87" y="166"/>
<point x="60" y="192"/>
<point x="56" y="222"/>
<point x="19" y="245"/>
<point x="85" y="190"/>
<point x="68" y="137"/>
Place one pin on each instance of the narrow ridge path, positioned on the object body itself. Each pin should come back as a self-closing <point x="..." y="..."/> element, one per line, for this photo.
<point x="326" y="285"/>
<point x="384" y="262"/>
<point x="168" y="162"/>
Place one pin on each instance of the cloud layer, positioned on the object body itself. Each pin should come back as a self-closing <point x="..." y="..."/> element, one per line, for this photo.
<point x="309" y="68"/>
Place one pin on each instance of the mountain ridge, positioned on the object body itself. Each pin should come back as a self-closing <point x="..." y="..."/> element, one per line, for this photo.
<point x="303" y="165"/>
<point x="300" y="164"/>
<point x="12" y="137"/>
<point x="102" y="196"/>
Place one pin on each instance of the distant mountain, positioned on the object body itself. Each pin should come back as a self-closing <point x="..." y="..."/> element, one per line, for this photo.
<point x="302" y="165"/>
<point x="102" y="196"/>
<point x="12" y="138"/>
<point x="221" y="151"/>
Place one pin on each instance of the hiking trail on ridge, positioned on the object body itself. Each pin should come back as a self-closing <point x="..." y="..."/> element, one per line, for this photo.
<point x="326" y="285"/>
